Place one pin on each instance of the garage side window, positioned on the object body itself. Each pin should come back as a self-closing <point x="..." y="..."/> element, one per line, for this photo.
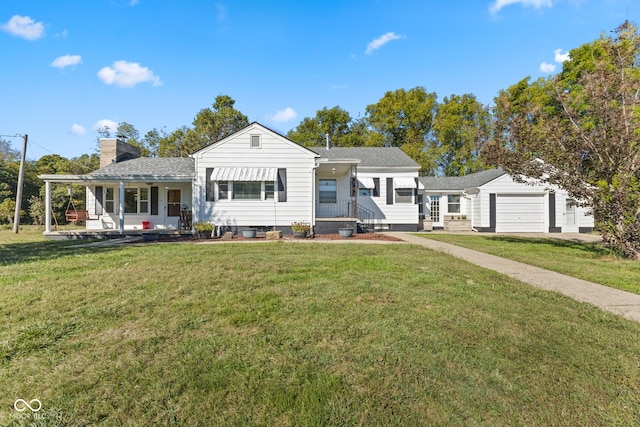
<point x="453" y="203"/>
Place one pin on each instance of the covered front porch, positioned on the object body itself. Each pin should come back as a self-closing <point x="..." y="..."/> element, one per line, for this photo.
<point x="336" y="197"/>
<point x="123" y="206"/>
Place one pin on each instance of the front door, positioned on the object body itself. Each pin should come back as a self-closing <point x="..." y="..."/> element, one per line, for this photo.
<point x="173" y="203"/>
<point x="570" y="217"/>
<point x="436" y="218"/>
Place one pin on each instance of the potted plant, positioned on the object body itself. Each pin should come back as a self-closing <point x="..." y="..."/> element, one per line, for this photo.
<point x="249" y="233"/>
<point x="345" y="231"/>
<point x="300" y="229"/>
<point x="204" y="229"/>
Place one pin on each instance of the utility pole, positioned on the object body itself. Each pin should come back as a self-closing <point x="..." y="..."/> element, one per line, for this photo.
<point x="16" y="217"/>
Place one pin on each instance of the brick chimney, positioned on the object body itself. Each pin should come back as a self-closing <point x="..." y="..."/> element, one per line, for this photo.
<point x="114" y="150"/>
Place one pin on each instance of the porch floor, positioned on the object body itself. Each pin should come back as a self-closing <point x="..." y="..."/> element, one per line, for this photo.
<point x="83" y="234"/>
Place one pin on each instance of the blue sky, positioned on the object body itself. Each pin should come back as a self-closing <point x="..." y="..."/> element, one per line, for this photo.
<point x="70" y="66"/>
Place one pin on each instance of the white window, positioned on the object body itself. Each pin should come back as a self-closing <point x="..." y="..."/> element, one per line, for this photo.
<point x="143" y="205"/>
<point x="109" y="201"/>
<point x="255" y="141"/>
<point x="453" y="203"/>
<point x="404" y="195"/>
<point x="328" y="191"/>
<point x="136" y="200"/>
<point x="246" y="190"/>
<point x="269" y="190"/>
<point x="223" y="190"/>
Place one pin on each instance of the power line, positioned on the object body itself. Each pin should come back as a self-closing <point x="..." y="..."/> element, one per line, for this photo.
<point x="45" y="149"/>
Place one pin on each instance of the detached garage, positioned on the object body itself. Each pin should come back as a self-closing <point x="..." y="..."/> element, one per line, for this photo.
<point x="491" y="201"/>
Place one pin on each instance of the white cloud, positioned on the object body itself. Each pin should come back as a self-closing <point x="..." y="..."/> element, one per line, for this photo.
<point x="381" y="41"/>
<point x="24" y="27"/>
<point x="127" y="74"/>
<point x="106" y="124"/>
<point x="497" y="5"/>
<point x="67" y="61"/>
<point x="61" y="34"/>
<point x="561" y="57"/>
<point x="77" y="129"/>
<point x="338" y="86"/>
<point x="133" y="2"/>
<point x="547" y="68"/>
<point x="284" y="115"/>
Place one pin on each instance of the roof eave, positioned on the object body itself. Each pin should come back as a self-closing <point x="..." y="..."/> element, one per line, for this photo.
<point x="80" y="179"/>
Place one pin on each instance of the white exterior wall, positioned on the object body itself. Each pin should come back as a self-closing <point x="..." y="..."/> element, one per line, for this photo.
<point x="465" y="205"/>
<point x="274" y="152"/>
<point x="476" y="210"/>
<point x="397" y="213"/>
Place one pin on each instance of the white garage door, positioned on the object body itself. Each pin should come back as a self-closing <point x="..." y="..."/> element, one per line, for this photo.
<point x="519" y="213"/>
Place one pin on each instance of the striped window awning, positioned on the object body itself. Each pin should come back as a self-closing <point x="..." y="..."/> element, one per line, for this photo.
<point x="404" y="183"/>
<point x="244" y="174"/>
<point x="366" y="183"/>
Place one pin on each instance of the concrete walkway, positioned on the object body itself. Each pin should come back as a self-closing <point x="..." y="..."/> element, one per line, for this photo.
<point x="622" y="303"/>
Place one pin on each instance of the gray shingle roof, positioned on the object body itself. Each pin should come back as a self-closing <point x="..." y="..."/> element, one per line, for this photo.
<point x="148" y="167"/>
<point x="369" y="156"/>
<point x="460" y="182"/>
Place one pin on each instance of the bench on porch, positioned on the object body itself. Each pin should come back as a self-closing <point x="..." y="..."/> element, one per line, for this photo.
<point x="76" y="215"/>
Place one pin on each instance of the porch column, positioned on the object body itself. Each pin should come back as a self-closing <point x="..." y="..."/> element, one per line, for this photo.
<point x="121" y="207"/>
<point x="354" y="197"/>
<point x="47" y="206"/>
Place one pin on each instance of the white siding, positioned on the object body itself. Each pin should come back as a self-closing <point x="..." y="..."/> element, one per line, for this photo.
<point x="274" y="152"/>
<point x="397" y="213"/>
<point x="476" y="210"/>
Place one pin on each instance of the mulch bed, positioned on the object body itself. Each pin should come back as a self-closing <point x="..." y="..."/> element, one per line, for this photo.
<point x="318" y="237"/>
<point x="336" y="236"/>
<point x="359" y="236"/>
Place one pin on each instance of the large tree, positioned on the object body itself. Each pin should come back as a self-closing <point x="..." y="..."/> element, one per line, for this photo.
<point x="405" y="119"/>
<point x="580" y="130"/>
<point x="461" y="128"/>
<point x="313" y="131"/>
<point x="343" y="131"/>
<point x="209" y="125"/>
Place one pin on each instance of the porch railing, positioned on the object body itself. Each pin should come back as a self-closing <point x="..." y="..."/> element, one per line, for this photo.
<point x="345" y="209"/>
<point x="339" y="209"/>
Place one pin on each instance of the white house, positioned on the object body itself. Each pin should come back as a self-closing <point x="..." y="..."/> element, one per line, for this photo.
<point x="254" y="178"/>
<point x="492" y="201"/>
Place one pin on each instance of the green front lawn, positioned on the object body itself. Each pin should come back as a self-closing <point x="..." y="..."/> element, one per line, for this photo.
<point x="283" y="334"/>
<point x="587" y="261"/>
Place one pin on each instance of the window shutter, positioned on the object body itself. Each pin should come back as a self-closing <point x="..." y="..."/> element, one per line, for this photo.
<point x="282" y="185"/>
<point x="492" y="211"/>
<point x="99" y="199"/>
<point x="552" y="210"/>
<point x="376" y="187"/>
<point x="209" y="185"/>
<point x="154" y="200"/>
<point x="389" y="191"/>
